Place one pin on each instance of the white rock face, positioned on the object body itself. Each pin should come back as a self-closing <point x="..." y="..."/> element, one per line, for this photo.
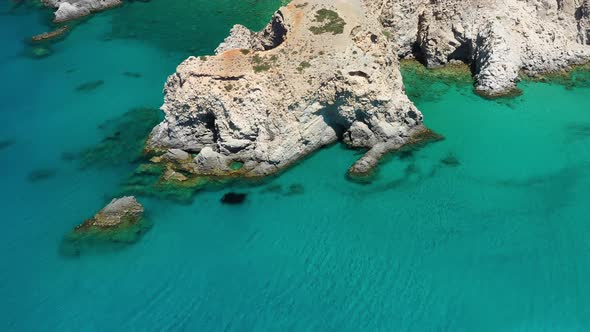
<point x="70" y="9"/>
<point x="327" y="70"/>
<point x="583" y="19"/>
<point x="241" y="37"/>
<point x="497" y="62"/>
<point x="501" y="37"/>
<point x="321" y="70"/>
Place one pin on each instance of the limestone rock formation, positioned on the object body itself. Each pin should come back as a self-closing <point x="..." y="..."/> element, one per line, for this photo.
<point x="499" y="37"/>
<point x="241" y="37"/>
<point x="328" y="70"/>
<point x="583" y="18"/>
<point x="71" y="9"/>
<point x="117" y="225"/>
<point x="119" y="212"/>
<point x="319" y="72"/>
<point x="496" y="61"/>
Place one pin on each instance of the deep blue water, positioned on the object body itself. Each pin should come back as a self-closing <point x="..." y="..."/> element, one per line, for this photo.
<point x="487" y="230"/>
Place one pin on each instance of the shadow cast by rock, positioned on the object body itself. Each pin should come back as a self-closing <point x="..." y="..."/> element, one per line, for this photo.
<point x="7" y="143"/>
<point x="233" y="198"/>
<point x="89" y="86"/>
<point x="41" y="174"/>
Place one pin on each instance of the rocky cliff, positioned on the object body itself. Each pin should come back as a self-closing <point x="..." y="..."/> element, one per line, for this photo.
<point x="320" y="71"/>
<point x="328" y="70"/>
<point x="499" y="38"/>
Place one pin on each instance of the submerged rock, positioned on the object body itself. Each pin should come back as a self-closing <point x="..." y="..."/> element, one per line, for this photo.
<point x="577" y="131"/>
<point x="233" y="198"/>
<point x="89" y="86"/>
<point x="40" y="52"/>
<point x="295" y="189"/>
<point x="450" y="161"/>
<point x="123" y="141"/>
<point x="273" y="188"/>
<point x="133" y="74"/>
<point x="6" y="143"/>
<point x="363" y="169"/>
<point x="161" y="181"/>
<point x="364" y="166"/>
<point x="59" y="32"/>
<point x="41" y="174"/>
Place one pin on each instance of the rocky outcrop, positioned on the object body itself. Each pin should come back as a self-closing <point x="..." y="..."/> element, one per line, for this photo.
<point x="241" y="37"/>
<point x="583" y="18"/>
<point x="499" y="37"/>
<point x="71" y="9"/>
<point x="364" y="168"/>
<point x="319" y="72"/>
<point x="323" y="71"/>
<point x="116" y="226"/>
<point x="497" y="63"/>
<point x="59" y="32"/>
<point x="119" y="212"/>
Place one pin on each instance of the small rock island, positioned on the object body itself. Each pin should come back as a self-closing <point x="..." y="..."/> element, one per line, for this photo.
<point x="120" y="212"/>
<point x="119" y="223"/>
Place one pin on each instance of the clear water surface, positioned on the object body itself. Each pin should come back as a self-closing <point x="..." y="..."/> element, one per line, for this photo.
<point x="488" y="230"/>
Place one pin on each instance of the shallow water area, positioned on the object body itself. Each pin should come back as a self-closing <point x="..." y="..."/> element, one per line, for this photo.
<point x="486" y="230"/>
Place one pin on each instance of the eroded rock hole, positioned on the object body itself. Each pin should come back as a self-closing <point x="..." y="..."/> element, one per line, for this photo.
<point x="209" y="120"/>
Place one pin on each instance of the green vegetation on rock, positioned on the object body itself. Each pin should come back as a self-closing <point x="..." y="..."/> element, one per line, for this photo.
<point x="578" y="76"/>
<point x="331" y="22"/>
<point x="260" y="64"/>
<point x="302" y="66"/>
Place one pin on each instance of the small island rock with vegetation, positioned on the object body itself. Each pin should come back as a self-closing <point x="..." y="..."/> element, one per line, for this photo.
<point x="119" y="223"/>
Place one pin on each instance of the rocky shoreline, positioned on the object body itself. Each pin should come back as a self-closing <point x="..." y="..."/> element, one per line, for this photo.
<point x="317" y="74"/>
<point x="498" y="38"/>
<point x="66" y="10"/>
<point x="322" y="72"/>
<point x="329" y="71"/>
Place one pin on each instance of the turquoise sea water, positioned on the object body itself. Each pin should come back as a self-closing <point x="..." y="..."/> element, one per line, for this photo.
<point x="487" y="230"/>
